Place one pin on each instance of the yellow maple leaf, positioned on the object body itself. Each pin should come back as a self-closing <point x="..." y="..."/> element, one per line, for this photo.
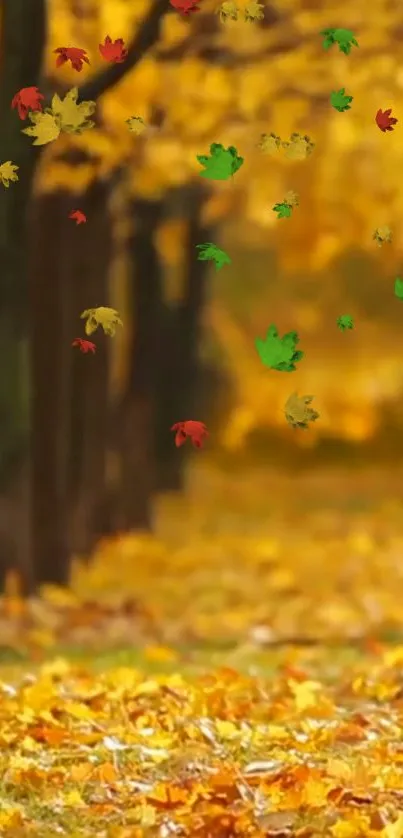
<point x="73" y="117"/>
<point x="136" y="125"/>
<point x="291" y="198"/>
<point x="103" y="316"/>
<point x="8" y="173"/>
<point x="269" y="143"/>
<point x="299" y="147"/>
<point x="227" y="11"/>
<point x="46" y="127"/>
<point x="254" y="11"/>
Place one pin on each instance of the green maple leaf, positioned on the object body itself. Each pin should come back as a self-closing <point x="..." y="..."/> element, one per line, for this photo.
<point x="283" y="210"/>
<point x="343" y="37"/>
<point x="209" y="251"/>
<point x="340" y="100"/>
<point x="399" y="288"/>
<point x="279" y="353"/>
<point x="345" y="321"/>
<point x="222" y="162"/>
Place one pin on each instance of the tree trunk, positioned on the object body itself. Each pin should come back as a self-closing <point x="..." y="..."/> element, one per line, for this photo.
<point x="179" y="367"/>
<point x="22" y="34"/>
<point x="88" y="255"/>
<point x="133" y="509"/>
<point x="51" y="391"/>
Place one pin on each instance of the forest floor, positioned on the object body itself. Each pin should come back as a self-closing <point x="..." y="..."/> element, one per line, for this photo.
<point x="248" y="680"/>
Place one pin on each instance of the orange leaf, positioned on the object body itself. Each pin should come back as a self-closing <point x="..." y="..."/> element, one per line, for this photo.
<point x="167" y="797"/>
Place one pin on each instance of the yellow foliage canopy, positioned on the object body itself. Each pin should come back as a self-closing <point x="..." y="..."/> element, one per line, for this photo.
<point x="276" y="79"/>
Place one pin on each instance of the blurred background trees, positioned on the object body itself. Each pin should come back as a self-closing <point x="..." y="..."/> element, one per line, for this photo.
<point x="85" y="441"/>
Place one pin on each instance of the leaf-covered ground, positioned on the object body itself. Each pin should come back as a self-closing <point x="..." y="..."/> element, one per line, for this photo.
<point x="246" y="682"/>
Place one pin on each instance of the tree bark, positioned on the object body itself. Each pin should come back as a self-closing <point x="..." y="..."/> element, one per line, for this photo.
<point x="22" y="39"/>
<point x="179" y="370"/>
<point x="88" y="256"/>
<point x="50" y="392"/>
<point x="135" y="428"/>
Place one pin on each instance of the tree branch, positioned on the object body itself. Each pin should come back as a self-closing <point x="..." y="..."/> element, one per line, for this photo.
<point x="143" y="41"/>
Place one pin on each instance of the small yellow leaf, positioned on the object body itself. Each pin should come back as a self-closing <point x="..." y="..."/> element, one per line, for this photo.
<point x="269" y="143"/>
<point x="103" y="316"/>
<point x="136" y="125"/>
<point x="8" y="173"/>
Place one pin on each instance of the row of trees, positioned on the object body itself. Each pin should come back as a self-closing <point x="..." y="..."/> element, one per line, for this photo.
<point x="60" y="427"/>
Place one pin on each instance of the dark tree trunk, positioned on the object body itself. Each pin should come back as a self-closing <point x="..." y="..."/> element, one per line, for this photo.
<point x="179" y="367"/>
<point x="135" y="427"/>
<point x="22" y="34"/>
<point x="50" y="391"/>
<point x="88" y="255"/>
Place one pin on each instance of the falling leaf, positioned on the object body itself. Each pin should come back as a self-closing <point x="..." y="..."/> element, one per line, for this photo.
<point x="78" y="216"/>
<point x="84" y="346"/>
<point x="343" y="37"/>
<point x="75" y="55"/>
<point x="279" y="353"/>
<point x="299" y="147"/>
<point x="269" y="143"/>
<point x="227" y="11"/>
<point x="283" y="210"/>
<point x="399" y="288"/>
<point x="136" y="125"/>
<point x="297" y="411"/>
<point x="382" y="235"/>
<point x="113" y="51"/>
<point x="254" y="11"/>
<point x="8" y="173"/>
<point x="212" y="252"/>
<point x="221" y="163"/>
<point x="197" y="432"/>
<point x="73" y="117"/>
<point x="340" y="100"/>
<point x="345" y="321"/>
<point x="291" y="198"/>
<point x="45" y="128"/>
<point x="103" y="316"/>
<point x="384" y="120"/>
<point x="28" y="98"/>
<point x="185" y="6"/>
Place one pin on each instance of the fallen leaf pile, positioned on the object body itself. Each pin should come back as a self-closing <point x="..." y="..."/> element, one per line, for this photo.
<point x="219" y="752"/>
<point x="200" y="720"/>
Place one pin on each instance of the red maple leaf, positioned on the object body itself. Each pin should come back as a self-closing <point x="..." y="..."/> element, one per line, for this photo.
<point x="74" y="54"/>
<point x="185" y="6"/>
<point x="197" y="432"/>
<point x="84" y="345"/>
<point x="384" y="120"/>
<point x="27" y="98"/>
<point x="113" y="51"/>
<point x="78" y="216"/>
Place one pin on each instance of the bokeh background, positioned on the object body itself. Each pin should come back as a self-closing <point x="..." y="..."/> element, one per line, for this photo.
<point x="86" y="449"/>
